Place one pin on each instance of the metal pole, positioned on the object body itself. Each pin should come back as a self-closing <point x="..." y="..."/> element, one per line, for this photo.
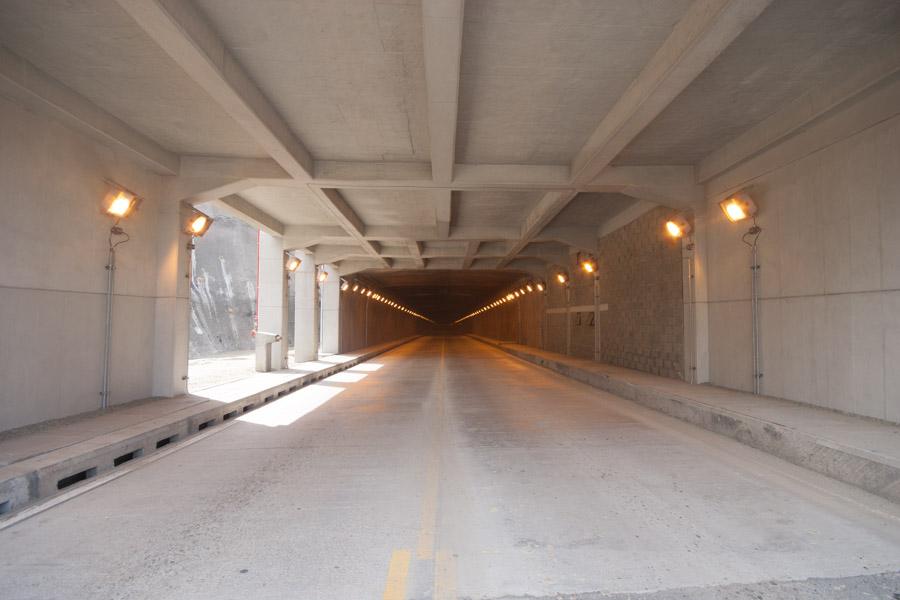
<point x="596" y="317"/>
<point x="568" y="321"/>
<point x="754" y="309"/>
<point x="110" y="282"/>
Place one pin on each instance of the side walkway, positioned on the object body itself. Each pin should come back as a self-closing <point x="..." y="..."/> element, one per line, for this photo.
<point x="37" y="462"/>
<point x="856" y="450"/>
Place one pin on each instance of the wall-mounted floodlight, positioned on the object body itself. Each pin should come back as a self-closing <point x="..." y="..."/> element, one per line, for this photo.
<point x="587" y="262"/>
<point x="738" y="207"/>
<point x="562" y="277"/>
<point x="539" y="286"/>
<point x="355" y="287"/>
<point x="197" y="224"/>
<point x="369" y="294"/>
<point x="529" y="287"/>
<point x="345" y="285"/>
<point x="678" y="227"/>
<point x="120" y="204"/>
<point x="292" y="264"/>
<point x="322" y="277"/>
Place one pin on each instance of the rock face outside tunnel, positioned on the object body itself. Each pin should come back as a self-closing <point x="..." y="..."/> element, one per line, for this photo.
<point x="223" y="288"/>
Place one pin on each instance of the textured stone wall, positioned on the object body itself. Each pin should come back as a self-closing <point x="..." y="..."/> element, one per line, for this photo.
<point x="641" y="281"/>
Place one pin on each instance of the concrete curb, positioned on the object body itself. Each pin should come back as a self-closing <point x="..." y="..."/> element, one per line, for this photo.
<point x="23" y="483"/>
<point x="856" y="466"/>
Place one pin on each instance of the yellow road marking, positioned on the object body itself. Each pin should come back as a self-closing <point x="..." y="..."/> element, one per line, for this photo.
<point x="444" y="576"/>
<point x="395" y="588"/>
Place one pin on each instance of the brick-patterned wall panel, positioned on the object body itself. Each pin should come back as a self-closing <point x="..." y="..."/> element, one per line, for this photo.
<point x="641" y="281"/>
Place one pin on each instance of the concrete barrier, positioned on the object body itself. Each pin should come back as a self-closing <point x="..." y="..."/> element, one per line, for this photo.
<point x="877" y="472"/>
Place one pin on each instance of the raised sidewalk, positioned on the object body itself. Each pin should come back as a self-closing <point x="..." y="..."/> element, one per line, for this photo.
<point x="856" y="450"/>
<point x="38" y="462"/>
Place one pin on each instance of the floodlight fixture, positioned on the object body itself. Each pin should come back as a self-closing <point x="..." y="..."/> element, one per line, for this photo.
<point x="738" y="207"/>
<point x="587" y="262"/>
<point x="292" y="263"/>
<point x="197" y="224"/>
<point x="678" y="227"/>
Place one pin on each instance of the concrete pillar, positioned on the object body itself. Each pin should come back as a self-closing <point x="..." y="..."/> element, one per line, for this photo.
<point x="306" y="313"/>
<point x="331" y="305"/>
<point x="696" y="298"/>
<point x="271" y="309"/>
<point x="172" y="308"/>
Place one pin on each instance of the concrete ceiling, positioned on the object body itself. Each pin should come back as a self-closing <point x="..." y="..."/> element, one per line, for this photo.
<point x="439" y="136"/>
<point x="536" y="75"/>
<point x="96" y="49"/>
<point x="794" y="46"/>
<point x="347" y="76"/>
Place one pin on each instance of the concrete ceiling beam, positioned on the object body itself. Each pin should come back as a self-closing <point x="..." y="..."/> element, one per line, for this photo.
<point x="306" y="236"/>
<point x="468" y="176"/>
<point x="706" y="29"/>
<point x="415" y="250"/>
<point x="442" y="29"/>
<point x="186" y="36"/>
<point x="335" y="205"/>
<point x="349" y="267"/>
<point x="443" y="211"/>
<point x="471" y="253"/>
<point x="239" y="208"/>
<point x="673" y="185"/>
<point x="540" y="216"/>
<point x="38" y="90"/>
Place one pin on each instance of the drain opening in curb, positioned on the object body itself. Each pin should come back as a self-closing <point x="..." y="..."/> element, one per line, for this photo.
<point x="126" y="457"/>
<point x="166" y="441"/>
<point x="230" y="415"/>
<point x="205" y="424"/>
<point x="5" y="507"/>
<point x="249" y="407"/>
<point x="75" y="478"/>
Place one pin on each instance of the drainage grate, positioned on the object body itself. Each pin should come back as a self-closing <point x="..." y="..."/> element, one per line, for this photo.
<point x="126" y="457"/>
<point x="5" y="507"/>
<point x="205" y="424"/>
<point x="75" y="478"/>
<point x="249" y="407"/>
<point x="269" y="398"/>
<point x="166" y="441"/>
<point x="230" y="415"/>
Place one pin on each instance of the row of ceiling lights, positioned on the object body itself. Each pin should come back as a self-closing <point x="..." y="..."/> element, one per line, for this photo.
<point x="531" y="286"/>
<point x="369" y="293"/>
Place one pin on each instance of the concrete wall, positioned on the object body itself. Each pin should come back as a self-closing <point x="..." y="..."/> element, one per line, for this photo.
<point x="830" y="277"/>
<point x="366" y="322"/>
<point x="53" y="245"/>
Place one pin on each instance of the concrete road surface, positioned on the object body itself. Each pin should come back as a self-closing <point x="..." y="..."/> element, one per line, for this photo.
<point x="448" y="469"/>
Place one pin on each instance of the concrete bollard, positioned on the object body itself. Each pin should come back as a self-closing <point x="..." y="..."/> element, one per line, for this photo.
<point x="264" y="343"/>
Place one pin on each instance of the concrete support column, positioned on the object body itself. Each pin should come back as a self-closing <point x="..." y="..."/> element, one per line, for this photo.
<point x="331" y="305"/>
<point x="271" y="309"/>
<point x="306" y="313"/>
<point x="172" y="310"/>
<point x="696" y="299"/>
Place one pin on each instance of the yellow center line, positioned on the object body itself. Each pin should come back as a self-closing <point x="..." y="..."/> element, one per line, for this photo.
<point x="395" y="588"/>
